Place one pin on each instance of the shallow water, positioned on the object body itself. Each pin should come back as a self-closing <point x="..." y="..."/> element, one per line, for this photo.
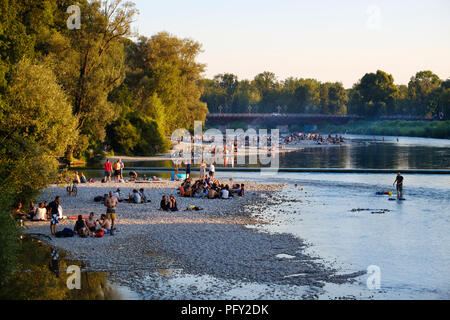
<point x="410" y="242"/>
<point x="359" y="152"/>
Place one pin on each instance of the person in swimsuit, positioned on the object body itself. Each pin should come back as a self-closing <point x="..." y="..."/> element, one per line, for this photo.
<point x="111" y="204"/>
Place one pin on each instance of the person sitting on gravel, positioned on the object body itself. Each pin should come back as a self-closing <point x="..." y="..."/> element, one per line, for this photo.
<point x="135" y="197"/>
<point x="187" y="190"/>
<point x="236" y="189"/>
<point x="173" y="204"/>
<point x="91" y="222"/>
<point x="143" y="196"/>
<point x="212" y="193"/>
<point x="81" y="227"/>
<point x="242" y="191"/>
<point x="164" y="205"/>
<point x="104" y="223"/>
<point x="133" y="175"/>
<point x="118" y="195"/>
<point x="41" y="213"/>
<point x="31" y="211"/>
<point x="83" y="178"/>
<point x="225" y="193"/>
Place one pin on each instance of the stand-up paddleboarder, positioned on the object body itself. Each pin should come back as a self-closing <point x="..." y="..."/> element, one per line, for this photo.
<point x="399" y="181"/>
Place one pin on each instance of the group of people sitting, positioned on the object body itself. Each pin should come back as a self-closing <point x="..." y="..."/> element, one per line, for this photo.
<point x="300" y="136"/>
<point x="33" y="213"/>
<point x="134" y="197"/>
<point x="93" y="227"/>
<point x="81" y="178"/>
<point x="210" y="189"/>
<point x="168" y="204"/>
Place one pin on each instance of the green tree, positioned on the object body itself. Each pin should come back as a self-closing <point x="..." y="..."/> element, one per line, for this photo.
<point x="89" y="62"/>
<point x="374" y="94"/>
<point x="423" y="92"/>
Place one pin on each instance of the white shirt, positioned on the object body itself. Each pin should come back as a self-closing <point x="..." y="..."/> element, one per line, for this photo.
<point x="41" y="214"/>
<point x="225" y="194"/>
<point x="137" y="197"/>
<point x="211" y="168"/>
<point x="60" y="212"/>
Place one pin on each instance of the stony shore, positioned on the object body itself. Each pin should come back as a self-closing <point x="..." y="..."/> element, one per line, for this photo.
<point x="215" y="241"/>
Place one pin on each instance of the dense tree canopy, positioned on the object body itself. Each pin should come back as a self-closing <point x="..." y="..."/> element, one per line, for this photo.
<point x="374" y="95"/>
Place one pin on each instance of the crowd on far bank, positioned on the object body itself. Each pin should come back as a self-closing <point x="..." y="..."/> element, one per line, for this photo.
<point x="315" y="137"/>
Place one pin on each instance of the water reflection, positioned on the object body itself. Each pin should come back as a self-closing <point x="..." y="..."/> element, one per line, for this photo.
<point x="42" y="275"/>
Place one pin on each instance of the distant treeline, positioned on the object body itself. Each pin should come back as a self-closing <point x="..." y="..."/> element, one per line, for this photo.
<point x="374" y="95"/>
<point x="425" y="129"/>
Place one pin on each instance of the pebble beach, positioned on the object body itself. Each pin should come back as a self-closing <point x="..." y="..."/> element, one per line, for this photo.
<point x="222" y="240"/>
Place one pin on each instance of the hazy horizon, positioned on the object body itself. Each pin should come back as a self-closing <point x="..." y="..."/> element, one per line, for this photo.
<point x="328" y="41"/>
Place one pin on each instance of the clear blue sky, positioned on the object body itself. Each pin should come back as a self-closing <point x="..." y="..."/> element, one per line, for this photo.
<point x="327" y="40"/>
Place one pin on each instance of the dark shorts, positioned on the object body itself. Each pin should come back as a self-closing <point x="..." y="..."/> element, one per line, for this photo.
<point x="400" y="187"/>
<point x="116" y="173"/>
<point x="107" y="173"/>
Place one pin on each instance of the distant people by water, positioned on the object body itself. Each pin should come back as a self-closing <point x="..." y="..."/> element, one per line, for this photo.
<point x="202" y="169"/>
<point x="83" y="178"/>
<point x="133" y="175"/>
<point x="117" y="171"/>
<point x="299" y="137"/>
<point x="108" y="168"/>
<point x="212" y="170"/>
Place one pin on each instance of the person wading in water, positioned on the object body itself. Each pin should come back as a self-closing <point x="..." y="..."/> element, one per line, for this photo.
<point x="399" y="182"/>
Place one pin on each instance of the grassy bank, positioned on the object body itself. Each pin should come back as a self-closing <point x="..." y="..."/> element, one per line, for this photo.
<point x="425" y="129"/>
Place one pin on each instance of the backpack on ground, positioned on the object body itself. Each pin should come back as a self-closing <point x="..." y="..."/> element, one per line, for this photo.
<point x="66" y="233"/>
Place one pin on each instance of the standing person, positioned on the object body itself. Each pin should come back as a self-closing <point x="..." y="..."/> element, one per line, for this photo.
<point x="399" y="182"/>
<point x="122" y="166"/>
<point x="188" y="170"/>
<point x="111" y="203"/>
<point x="212" y="170"/>
<point x="108" y="168"/>
<point x="117" y="171"/>
<point x="55" y="211"/>
<point x="202" y="169"/>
